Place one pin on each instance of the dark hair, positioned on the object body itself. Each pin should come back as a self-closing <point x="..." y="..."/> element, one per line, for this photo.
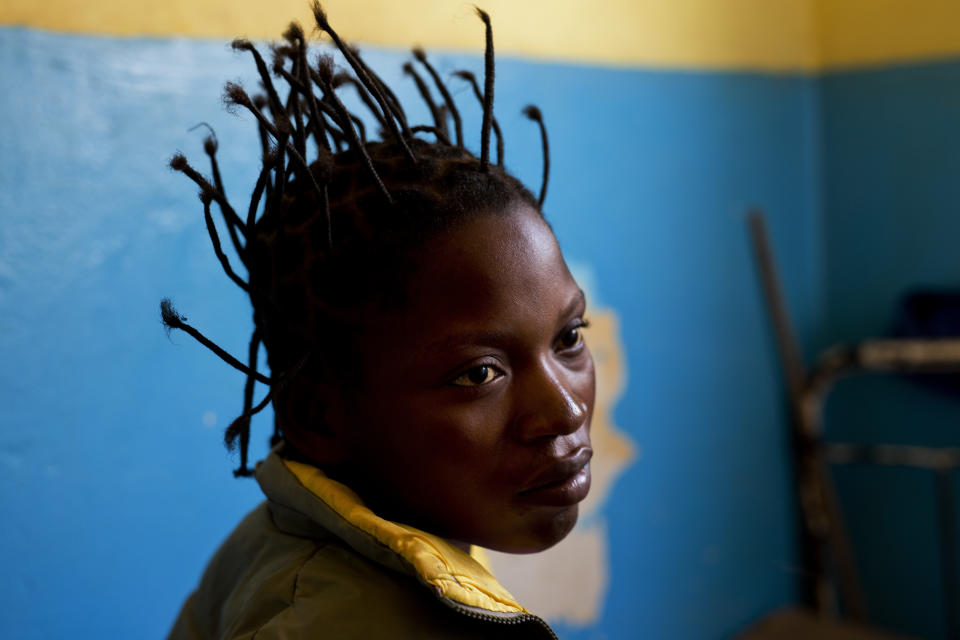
<point x="339" y="234"/>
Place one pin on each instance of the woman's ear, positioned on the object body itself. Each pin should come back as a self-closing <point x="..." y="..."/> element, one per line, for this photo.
<point x="310" y="414"/>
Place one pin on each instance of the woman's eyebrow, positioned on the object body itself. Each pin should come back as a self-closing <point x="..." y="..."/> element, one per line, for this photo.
<point x="466" y="337"/>
<point x="493" y="337"/>
<point x="578" y="302"/>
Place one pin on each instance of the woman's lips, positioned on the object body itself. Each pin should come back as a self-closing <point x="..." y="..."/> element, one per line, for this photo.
<point x="565" y="482"/>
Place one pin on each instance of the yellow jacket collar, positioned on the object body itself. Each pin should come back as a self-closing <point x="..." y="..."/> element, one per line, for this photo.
<point x="458" y="576"/>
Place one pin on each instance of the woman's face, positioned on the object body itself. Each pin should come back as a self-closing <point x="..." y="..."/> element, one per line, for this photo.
<point x="473" y="421"/>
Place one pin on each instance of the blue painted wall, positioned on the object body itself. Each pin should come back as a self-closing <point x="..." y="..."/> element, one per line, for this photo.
<point x="116" y="485"/>
<point x="892" y="223"/>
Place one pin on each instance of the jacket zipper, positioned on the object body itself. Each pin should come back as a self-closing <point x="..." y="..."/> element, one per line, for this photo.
<point x="524" y="617"/>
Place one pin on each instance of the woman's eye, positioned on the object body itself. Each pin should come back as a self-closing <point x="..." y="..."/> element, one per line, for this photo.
<point x="571" y="338"/>
<point x="476" y="376"/>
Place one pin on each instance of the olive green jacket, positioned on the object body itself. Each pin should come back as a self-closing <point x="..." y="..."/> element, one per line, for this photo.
<point x="313" y="562"/>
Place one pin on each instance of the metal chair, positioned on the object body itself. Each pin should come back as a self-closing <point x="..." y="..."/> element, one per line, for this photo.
<point x="830" y="574"/>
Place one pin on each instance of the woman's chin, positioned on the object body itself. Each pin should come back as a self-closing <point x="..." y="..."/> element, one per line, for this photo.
<point x="544" y="529"/>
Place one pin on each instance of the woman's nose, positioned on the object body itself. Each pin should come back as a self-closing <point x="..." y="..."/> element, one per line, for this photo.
<point x="550" y="402"/>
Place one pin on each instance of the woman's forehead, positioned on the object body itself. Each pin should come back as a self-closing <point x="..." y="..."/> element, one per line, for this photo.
<point x="510" y="250"/>
<point x="496" y="273"/>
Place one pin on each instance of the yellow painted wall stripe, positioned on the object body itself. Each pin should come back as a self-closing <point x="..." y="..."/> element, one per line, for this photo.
<point x="685" y="33"/>
<point x="772" y="35"/>
<point x="855" y="33"/>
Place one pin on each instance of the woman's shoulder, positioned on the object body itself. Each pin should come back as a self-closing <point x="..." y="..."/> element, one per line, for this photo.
<point x="265" y="582"/>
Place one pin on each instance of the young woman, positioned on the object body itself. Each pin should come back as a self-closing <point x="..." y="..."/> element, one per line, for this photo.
<point x="431" y="385"/>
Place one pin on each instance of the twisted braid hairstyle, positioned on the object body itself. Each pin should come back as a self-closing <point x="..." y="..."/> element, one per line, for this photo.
<point x="325" y="242"/>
